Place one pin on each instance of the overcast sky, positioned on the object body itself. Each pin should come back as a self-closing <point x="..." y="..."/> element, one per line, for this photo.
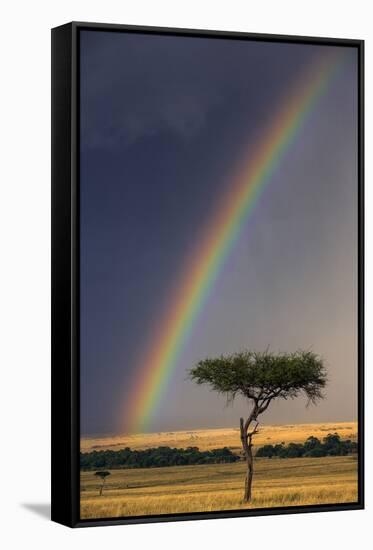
<point x="164" y="122"/>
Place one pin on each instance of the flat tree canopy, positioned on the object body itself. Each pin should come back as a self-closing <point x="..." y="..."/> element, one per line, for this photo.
<point x="102" y="474"/>
<point x="263" y="376"/>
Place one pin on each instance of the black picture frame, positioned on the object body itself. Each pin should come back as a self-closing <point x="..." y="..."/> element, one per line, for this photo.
<point x="65" y="273"/>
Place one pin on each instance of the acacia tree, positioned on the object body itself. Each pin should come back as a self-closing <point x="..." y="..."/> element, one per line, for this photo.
<point x="261" y="377"/>
<point x="103" y="474"/>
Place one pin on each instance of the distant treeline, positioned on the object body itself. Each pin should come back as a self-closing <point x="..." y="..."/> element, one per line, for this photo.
<point x="154" y="458"/>
<point x="331" y="445"/>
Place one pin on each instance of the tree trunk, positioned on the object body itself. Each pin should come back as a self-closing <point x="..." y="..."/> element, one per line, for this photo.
<point x="249" y="475"/>
<point x="247" y="449"/>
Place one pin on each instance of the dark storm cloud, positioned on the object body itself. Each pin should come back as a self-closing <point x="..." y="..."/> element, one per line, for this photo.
<point x="164" y="121"/>
<point x="137" y="87"/>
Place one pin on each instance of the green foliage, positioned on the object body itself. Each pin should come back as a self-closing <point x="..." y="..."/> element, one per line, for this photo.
<point x="153" y="458"/>
<point x="264" y="375"/>
<point x="332" y="445"/>
<point x="311" y="444"/>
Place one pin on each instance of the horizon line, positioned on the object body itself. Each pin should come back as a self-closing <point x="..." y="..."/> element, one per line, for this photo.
<point x="128" y="434"/>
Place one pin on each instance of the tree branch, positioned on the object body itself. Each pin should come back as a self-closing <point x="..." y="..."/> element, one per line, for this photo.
<point x="254" y="431"/>
<point x="265" y="406"/>
<point x="252" y="416"/>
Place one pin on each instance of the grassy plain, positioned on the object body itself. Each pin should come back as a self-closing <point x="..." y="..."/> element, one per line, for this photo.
<point x="220" y="437"/>
<point x="183" y="489"/>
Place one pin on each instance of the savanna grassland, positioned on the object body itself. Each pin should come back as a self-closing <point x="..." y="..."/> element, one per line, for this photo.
<point x="209" y="487"/>
<point x="219" y="437"/>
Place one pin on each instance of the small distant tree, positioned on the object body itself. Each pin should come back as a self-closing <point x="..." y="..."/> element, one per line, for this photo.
<point x="333" y="444"/>
<point x="103" y="474"/>
<point x="311" y="443"/>
<point x="261" y="377"/>
<point x="267" y="451"/>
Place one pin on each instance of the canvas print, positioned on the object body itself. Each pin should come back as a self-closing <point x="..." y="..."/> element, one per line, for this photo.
<point x="218" y="274"/>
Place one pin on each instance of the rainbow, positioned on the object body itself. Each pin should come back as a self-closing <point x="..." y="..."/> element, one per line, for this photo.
<point x="161" y="355"/>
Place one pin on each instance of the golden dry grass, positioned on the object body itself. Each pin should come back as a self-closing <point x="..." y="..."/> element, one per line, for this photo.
<point x="221" y="437"/>
<point x="183" y="489"/>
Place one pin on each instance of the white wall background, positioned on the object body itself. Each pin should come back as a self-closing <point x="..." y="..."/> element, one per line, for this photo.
<point x="25" y="268"/>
